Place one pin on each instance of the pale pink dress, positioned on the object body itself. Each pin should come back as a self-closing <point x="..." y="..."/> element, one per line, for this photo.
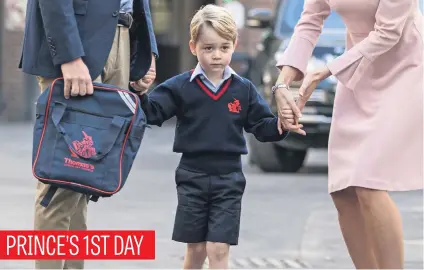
<point x="376" y="138"/>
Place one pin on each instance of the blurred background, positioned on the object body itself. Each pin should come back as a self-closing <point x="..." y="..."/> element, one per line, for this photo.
<point x="288" y="219"/>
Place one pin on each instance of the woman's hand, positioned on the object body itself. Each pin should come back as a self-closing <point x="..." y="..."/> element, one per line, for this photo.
<point x="309" y="84"/>
<point x="288" y="112"/>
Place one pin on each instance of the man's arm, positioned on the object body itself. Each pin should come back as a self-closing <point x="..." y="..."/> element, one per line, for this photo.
<point x="151" y="29"/>
<point x="65" y="45"/>
<point x="61" y="30"/>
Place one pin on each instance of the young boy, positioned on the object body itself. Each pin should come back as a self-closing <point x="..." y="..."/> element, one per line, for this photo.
<point x="212" y="105"/>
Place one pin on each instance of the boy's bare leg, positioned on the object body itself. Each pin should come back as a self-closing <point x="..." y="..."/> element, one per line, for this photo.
<point x="195" y="255"/>
<point x="218" y="254"/>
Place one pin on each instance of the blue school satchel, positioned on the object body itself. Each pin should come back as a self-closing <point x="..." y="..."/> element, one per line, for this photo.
<point x="86" y="144"/>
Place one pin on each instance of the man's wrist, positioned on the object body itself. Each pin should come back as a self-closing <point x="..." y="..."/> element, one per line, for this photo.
<point x="72" y="61"/>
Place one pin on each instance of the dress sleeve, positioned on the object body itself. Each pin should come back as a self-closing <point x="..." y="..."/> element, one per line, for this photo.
<point x="391" y="17"/>
<point x="305" y="35"/>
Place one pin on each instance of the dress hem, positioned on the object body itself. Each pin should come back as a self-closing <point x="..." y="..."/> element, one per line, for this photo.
<point x="376" y="186"/>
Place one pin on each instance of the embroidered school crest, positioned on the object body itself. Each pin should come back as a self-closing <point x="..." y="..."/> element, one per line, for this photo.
<point x="234" y="106"/>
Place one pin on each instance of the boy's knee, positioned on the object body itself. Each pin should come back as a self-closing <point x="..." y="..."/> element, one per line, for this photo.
<point x="197" y="249"/>
<point x="217" y="251"/>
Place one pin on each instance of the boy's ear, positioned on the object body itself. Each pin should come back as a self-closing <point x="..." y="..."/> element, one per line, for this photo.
<point x="192" y="46"/>
<point x="236" y="43"/>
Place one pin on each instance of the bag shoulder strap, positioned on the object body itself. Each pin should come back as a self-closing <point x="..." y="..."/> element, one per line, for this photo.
<point x="49" y="196"/>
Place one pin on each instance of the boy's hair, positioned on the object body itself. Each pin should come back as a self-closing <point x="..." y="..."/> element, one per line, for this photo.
<point x="219" y="18"/>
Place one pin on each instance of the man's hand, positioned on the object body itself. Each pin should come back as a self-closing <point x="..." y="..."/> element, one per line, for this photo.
<point x="77" y="79"/>
<point x="143" y="85"/>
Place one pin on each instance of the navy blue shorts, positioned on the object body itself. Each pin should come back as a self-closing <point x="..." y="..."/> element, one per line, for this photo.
<point x="209" y="207"/>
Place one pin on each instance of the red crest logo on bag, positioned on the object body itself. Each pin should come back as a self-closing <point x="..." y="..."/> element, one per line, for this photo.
<point x="84" y="148"/>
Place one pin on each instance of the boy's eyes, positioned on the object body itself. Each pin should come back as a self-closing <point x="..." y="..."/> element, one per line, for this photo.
<point x="211" y="48"/>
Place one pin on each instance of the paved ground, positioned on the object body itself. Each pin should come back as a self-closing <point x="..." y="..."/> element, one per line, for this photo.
<point x="288" y="220"/>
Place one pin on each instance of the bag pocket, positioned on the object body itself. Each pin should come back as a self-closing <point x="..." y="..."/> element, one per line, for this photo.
<point x="87" y="147"/>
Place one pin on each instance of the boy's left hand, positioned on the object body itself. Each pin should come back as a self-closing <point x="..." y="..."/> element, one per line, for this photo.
<point x="289" y="119"/>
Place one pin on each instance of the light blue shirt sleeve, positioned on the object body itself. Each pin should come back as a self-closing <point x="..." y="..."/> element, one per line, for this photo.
<point x="126" y="5"/>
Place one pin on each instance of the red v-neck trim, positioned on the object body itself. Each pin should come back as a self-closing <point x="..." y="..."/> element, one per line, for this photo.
<point x="210" y="93"/>
<point x="214" y="95"/>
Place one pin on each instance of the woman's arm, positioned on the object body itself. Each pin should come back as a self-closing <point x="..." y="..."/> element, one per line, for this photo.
<point x="295" y="59"/>
<point x="391" y="17"/>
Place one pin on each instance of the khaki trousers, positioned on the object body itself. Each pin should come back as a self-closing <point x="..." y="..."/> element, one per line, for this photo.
<point x="67" y="209"/>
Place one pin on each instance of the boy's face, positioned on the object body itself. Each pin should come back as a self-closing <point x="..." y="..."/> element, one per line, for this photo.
<point x="213" y="52"/>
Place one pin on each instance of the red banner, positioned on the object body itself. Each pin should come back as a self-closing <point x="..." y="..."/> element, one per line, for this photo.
<point x="82" y="245"/>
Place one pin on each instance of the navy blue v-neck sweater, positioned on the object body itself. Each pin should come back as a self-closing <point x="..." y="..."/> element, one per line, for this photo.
<point x="209" y="130"/>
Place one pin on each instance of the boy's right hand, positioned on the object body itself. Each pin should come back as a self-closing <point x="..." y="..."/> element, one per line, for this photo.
<point x="143" y="85"/>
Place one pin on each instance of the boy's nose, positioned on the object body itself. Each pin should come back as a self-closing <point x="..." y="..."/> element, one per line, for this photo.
<point x="216" y="55"/>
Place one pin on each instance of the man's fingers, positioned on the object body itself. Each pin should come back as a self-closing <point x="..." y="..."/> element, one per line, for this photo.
<point x="67" y="88"/>
<point x="82" y="87"/>
<point x="75" y="87"/>
<point x="90" y="88"/>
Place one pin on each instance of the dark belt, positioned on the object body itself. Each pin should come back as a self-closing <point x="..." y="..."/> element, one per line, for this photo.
<point x="125" y="19"/>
